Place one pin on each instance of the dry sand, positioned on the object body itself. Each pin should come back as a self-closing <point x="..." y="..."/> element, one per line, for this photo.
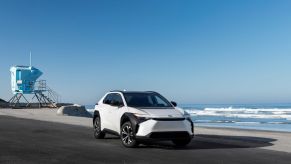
<point x="280" y="141"/>
<point x="46" y="114"/>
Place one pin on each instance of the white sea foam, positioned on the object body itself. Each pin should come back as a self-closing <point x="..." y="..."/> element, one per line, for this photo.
<point x="90" y="110"/>
<point x="274" y="113"/>
<point x="247" y="122"/>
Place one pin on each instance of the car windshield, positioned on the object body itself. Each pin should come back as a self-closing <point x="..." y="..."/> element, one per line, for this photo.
<point x="146" y="100"/>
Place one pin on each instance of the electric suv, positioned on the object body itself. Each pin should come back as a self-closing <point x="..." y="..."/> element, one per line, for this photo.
<point x="139" y="116"/>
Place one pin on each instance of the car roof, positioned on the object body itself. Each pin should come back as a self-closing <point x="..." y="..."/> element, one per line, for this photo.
<point x="133" y="91"/>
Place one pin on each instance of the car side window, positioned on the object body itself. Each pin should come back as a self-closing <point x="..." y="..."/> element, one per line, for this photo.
<point x="113" y="98"/>
<point x="108" y="99"/>
<point x="117" y="98"/>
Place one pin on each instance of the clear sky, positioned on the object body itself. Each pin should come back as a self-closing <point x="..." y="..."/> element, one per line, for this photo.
<point x="207" y="51"/>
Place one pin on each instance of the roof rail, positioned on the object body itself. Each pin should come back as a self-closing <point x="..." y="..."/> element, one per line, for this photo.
<point x="116" y="91"/>
<point x="151" y="91"/>
<point x="131" y="91"/>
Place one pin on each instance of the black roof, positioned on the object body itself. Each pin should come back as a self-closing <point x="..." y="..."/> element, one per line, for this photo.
<point x="133" y="91"/>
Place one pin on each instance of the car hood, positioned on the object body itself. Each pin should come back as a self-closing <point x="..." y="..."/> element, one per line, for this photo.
<point x="162" y="112"/>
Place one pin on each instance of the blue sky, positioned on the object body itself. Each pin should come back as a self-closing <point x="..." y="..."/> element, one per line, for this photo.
<point x="204" y="51"/>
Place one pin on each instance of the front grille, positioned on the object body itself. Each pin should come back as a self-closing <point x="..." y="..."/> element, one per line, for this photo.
<point x="169" y="119"/>
<point x="168" y="135"/>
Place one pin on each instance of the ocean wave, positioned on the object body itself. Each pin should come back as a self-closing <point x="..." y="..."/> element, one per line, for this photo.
<point x="274" y="113"/>
<point x="247" y="123"/>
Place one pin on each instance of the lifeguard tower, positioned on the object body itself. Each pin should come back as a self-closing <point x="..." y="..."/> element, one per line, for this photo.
<point x="24" y="81"/>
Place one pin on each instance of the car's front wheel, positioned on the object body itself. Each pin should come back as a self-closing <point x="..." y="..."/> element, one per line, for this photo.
<point x="127" y="135"/>
<point x="182" y="142"/>
<point x="98" y="134"/>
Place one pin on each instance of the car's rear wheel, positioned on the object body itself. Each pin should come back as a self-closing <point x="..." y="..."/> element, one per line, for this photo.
<point x="182" y="142"/>
<point x="127" y="135"/>
<point x="98" y="134"/>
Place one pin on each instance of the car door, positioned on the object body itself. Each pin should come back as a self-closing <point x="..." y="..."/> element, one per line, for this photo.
<point x="115" y="112"/>
<point x="104" y="109"/>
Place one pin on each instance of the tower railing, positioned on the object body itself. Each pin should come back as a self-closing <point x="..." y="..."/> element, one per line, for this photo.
<point x="41" y="86"/>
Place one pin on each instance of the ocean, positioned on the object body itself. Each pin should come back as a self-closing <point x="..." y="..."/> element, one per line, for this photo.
<point x="271" y="117"/>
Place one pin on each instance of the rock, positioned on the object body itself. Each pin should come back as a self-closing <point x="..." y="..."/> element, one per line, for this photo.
<point x="3" y="103"/>
<point x="74" y="110"/>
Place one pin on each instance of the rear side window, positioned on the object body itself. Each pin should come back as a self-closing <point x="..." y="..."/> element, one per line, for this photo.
<point x="113" y="97"/>
<point x="108" y="99"/>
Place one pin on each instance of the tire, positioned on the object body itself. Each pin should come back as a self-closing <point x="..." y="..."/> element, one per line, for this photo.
<point x="127" y="135"/>
<point x="182" y="142"/>
<point x="98" y="134"/>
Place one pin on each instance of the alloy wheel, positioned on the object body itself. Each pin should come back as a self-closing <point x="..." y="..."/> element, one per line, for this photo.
<point x="127" y="135"/>
<point x="97" y="126"/>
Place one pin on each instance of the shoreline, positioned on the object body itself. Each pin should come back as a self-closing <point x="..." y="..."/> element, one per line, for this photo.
<point x="243" y="129"/>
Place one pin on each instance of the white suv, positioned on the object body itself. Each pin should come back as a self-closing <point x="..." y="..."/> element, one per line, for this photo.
<point x="139" y="116"/>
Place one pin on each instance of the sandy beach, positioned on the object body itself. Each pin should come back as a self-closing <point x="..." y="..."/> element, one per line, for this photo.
<point x="269" y="140"/>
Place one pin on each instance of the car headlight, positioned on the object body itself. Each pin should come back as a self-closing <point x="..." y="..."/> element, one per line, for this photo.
<point x="142" y="117"/>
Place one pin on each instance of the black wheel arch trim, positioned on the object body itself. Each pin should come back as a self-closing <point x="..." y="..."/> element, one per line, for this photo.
<point x="133" y="120"/>
<point x="96" y="114"/>
<point x="192" y="124"/>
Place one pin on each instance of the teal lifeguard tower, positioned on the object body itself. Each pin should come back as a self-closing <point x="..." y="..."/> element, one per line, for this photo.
<point x="24" y="80"/>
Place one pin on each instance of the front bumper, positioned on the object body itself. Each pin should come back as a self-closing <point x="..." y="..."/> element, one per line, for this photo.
<point x="165" y="129"/>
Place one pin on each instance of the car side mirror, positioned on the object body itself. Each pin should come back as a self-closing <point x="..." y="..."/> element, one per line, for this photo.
<point x="174" y="103"/>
